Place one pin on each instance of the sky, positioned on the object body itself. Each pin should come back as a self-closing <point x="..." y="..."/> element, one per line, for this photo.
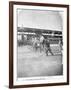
<point x="51" y="20"/>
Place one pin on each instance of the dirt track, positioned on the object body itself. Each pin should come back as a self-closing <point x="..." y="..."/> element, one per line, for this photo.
<point x="32" y="64"/>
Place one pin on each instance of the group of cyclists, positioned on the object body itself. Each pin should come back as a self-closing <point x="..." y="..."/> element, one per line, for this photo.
<point x="43" y="44"/>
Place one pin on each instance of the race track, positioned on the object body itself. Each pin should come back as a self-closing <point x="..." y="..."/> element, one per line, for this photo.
<point x="33" y="64"/>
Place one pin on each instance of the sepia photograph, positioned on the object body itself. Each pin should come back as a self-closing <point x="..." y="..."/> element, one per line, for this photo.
<point x="39" y="44"/>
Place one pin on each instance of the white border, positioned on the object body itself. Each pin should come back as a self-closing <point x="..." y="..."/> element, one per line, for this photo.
<point x="39" y="80"/>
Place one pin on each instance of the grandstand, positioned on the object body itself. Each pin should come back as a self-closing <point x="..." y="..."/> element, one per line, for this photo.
<point x="25" y="36"/>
